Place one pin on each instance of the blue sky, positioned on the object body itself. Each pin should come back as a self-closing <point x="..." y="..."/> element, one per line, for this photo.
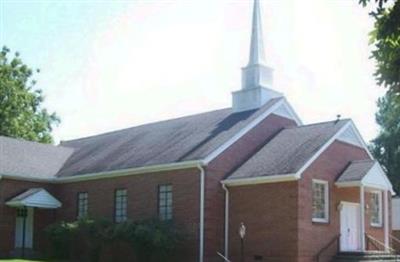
<point x="107" y="65"/>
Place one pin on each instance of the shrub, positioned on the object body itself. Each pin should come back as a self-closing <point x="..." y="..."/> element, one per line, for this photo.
<point x="86" y="239"/>
<point x="60" y="236"/>
<point x="156" y="241"/>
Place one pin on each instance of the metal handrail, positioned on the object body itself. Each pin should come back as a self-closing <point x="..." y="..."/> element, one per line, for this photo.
<point x="223" y="257"/>
<point x="374" y="241"/>
<point x="395" y="240"/>
<point x="335" y="239"/>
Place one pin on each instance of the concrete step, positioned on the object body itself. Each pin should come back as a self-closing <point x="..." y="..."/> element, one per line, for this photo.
<point x="365" y="256"/>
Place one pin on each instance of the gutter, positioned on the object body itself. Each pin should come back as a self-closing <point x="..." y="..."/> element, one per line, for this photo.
<point x="201" y="227"/>
<point x="109" y="174"/>
<point x="226" y="248"/>
<point x="260" y="180"/>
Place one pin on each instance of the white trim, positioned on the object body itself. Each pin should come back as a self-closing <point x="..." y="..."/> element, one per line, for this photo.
<point x="162" y="167"/>
<point x="260" y="180"/>
<point x="326" y="200"/>
<point x="349" y="203"/>
<point x="380" y="206"/>
<point x="293" y="113"/>
<point x="40" y="199"/>
<point x="111" y="174"/>
<point x="226" y="242"/>
<point x="353" y="126"/>
<point x="386" y="223"/>
<point x="363" y="182"/>
<point x="362" y="218"/>
<point x="201" y="227"/>
<point x="322" y="149"/>
<point x="388" y="183"/>
<point x="341" y="204"/>
<point x="246" y="129"/>
<point x="350" y="124"/>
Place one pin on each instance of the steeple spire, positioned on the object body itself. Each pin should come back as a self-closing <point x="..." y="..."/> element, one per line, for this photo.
<point x="257" y="55"/>
<point x="256" y="76"/>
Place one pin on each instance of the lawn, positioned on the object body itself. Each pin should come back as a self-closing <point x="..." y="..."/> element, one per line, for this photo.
<point x="19" y="260"/>
<point x="24" y="260"/>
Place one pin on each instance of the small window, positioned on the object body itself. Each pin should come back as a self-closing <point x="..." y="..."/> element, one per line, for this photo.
<point x="82" y="204"/>
<point x="165" y="202"/>
<point x="376" y="209"/>
<point x="320" y="201"/>
<point x="120" y="212"/>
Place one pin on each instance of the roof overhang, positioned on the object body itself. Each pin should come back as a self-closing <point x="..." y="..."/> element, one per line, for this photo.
<point x="375" y="178"/>
<point x="281" y="108"/>
<point x="35" y="197"/>
<point x="111" y="174"/>
<point x="259" y="180"/>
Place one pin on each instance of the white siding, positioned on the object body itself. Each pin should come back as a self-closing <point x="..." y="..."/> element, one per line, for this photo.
<point x="396" y="213"/>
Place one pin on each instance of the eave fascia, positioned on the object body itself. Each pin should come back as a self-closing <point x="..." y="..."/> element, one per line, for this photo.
<point x="210" y="157"/>
<point x="361" y="183"/>
<point x="259" y="180"/>
<point x="111" y="174"/>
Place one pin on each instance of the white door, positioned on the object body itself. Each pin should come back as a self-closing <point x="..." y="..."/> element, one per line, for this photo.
<point x="350" y="227"/>
<point x="27" y="215"/>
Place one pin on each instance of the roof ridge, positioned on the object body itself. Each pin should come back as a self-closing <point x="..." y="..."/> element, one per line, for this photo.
<point x="21" y="140"/>
<point x="319" y="123"/>
<point x="141" y="125"/>
<point x="363" y="160"/>
<point x="165" y="121"/>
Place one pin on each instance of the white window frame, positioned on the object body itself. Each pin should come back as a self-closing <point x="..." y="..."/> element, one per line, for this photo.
<point x="326" y="185"/>
<point x="380" y="215"/>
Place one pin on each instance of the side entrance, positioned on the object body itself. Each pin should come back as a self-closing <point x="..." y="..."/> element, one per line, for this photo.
<point x="350" y="227"/>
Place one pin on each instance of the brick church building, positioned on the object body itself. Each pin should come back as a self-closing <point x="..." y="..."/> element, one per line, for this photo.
<point x="295" y="188"/>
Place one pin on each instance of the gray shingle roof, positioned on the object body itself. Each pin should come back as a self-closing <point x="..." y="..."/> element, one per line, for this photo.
<point x="356" y="170"/>
<point x="288" y="151"/>
<point x="26" y="194"/>
<point x="30" y="159"/>
<point x="171" y="141"/>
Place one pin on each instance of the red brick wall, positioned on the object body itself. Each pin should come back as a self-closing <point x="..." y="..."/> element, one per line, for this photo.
<point x="269" y="212"/>
<point x="220" y="167"/>
<point x="314" y="236"/>
<point x="142" y="199"/>
<point x="8" y="189"/>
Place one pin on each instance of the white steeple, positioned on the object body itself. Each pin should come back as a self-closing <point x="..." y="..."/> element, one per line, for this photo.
<point x="257" y="55"/>
<point x="256" y="76"/>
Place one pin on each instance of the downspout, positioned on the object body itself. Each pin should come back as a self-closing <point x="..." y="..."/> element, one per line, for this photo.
<point x="226" y="221"/>
<point x="201" y="228"/>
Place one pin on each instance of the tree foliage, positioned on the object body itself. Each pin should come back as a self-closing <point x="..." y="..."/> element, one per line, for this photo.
<point x="386" y="39"/>
<point x="386" y="146"/>
<point x="21" y="114"/>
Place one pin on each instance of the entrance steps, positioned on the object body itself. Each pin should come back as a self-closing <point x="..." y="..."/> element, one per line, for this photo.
<point x="365" y="256"/>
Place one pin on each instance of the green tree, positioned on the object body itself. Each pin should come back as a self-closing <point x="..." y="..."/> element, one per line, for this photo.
<point x="21" y="113"/>
<point x="386" y="40"/>
<point x="386" y="146"/>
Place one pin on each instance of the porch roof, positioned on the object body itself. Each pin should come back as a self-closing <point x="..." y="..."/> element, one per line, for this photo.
<point x="364" y="173"/>
<point x="34" y="197"/>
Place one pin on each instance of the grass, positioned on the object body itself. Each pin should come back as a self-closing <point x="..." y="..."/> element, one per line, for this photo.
<point x="19" y="260"/>
<point x="25" y="260"/>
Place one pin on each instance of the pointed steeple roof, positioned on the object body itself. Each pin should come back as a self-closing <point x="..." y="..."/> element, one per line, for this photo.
<point x="257" y="55"/>
<point x="257" y="77"/>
